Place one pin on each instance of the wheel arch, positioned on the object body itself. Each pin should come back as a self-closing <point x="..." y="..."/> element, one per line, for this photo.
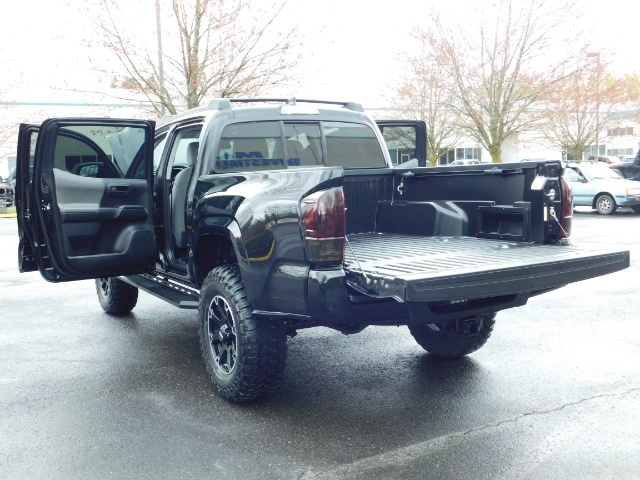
<point x="214" y="246"/>
<point x="599" y="194"/>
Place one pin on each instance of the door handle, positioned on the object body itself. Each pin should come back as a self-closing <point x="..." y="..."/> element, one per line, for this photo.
<point x="118" y="189"/>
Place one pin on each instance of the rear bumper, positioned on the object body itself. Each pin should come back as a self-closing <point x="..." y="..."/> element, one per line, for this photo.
<point x="401" y="279"/>
<point x="329" y="302"/>
<point x="332" y="302"/>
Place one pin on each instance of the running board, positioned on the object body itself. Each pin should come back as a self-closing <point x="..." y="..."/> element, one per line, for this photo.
<point x="168" y="290"/>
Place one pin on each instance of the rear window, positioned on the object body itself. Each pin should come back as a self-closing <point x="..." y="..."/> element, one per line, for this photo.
<point x="250" y="147"/>
<point x="259" y="146"/>
<point x="304" y="143"/>
<point x="352" y="145"/>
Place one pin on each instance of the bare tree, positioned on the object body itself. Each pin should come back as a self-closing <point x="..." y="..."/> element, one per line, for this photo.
<point x="500" y="64"/>
<point x="582" y="105"/>
<point x="425" y="94"/>
<point x="7" y="130"/>
<point x="629" y="98"/>
<point x="573" y="111"/>
<point x="9" y="119"/>
<point x="212" y="48"/>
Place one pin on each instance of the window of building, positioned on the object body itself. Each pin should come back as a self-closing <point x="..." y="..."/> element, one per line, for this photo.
<point x="591" y="150"/>
<point x="619" y="152"/>
<point x="467" y="153"/>
<point x="446" y="157"/>
<point x="617" y="132"/>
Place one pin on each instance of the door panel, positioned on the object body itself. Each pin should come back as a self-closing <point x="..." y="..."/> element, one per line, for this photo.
<point x="102" y="220"/>
<point x="92" y="188"/>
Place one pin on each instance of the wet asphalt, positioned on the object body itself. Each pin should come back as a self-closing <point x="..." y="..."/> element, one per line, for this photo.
<point x="554" y="394"/>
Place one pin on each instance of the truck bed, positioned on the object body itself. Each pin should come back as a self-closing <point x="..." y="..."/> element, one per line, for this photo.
<point x="414" y="268"/>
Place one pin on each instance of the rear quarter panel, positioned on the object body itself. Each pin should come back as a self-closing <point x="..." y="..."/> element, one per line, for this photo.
<point x="265" y="210"/>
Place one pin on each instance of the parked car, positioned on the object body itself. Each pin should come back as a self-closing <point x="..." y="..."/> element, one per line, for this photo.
<point x="598" y="186"/>
<point x="604" y="159"/>
<point x="628" y="170"/>
<point x="465" y="161"/>
<point x="6" y="193"/>
<point x="11" y="179"/>
<point x="539" y="159"/>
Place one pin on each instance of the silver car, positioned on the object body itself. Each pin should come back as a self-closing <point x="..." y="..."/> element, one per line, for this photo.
<point x="597" y="186"/>
<point x="465" y="161"/>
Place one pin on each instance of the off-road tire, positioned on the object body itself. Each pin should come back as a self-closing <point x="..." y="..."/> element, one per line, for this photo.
<point x="115" y="296"/>
<point x="605" y="204"/>
<point x="244" y="355"/>
<point x="442" y="343"/>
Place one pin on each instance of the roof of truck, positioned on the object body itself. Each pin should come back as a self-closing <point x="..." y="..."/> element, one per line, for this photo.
<point x="268" y="107"/>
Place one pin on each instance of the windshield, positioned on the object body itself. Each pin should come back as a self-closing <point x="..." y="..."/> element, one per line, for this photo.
<point x="599" y="172"/>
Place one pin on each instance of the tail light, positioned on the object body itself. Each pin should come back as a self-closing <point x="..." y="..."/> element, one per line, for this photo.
<point x="567" y="208"/>
<point x="323" y="226"/>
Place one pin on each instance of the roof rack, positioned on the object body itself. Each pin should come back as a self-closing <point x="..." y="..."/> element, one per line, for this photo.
<point x="217" y="103"/>
<point x="225" y="104"/>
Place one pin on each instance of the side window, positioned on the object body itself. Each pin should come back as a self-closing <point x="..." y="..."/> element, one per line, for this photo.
<point x="571" y="175"/>
<point x="250" y="147"/>
<point x="184" y="150"/>
<point x="303" y="144"/>
<point x="158" y="148"/>
<point x="100" y="152"/>
<point x="401" y="143"/>
<point x="352" y="145"/>
<point x="32" y="151"/>
<point x="32" y="154"/>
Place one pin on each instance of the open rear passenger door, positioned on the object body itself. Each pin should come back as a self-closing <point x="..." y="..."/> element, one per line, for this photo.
<point x="85" y="202"/>
<point x="406" y="141"/>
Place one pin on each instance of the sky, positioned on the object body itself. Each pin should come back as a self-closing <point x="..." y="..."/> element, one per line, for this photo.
<point x="363" y="40"/>
<point x="351" y="53"/>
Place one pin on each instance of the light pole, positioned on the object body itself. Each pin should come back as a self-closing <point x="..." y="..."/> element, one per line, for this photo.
<point x="597" y="55"/>
<point x="160" y="65"/>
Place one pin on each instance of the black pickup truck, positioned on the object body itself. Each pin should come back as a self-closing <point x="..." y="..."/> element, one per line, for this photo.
<point x="274" y="215"/>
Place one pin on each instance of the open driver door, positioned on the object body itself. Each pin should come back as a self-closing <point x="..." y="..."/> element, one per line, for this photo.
<point x="85" y="198"/>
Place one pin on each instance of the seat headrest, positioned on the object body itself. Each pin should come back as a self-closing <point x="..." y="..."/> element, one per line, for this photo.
<point x="294" y="148"/>
<point x="192" y="153"/>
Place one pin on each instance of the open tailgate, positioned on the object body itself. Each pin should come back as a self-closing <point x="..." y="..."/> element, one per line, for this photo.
<point x="427" y="269"/>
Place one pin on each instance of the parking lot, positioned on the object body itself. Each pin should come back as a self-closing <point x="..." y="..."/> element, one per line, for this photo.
<point x="555" y="393"/>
